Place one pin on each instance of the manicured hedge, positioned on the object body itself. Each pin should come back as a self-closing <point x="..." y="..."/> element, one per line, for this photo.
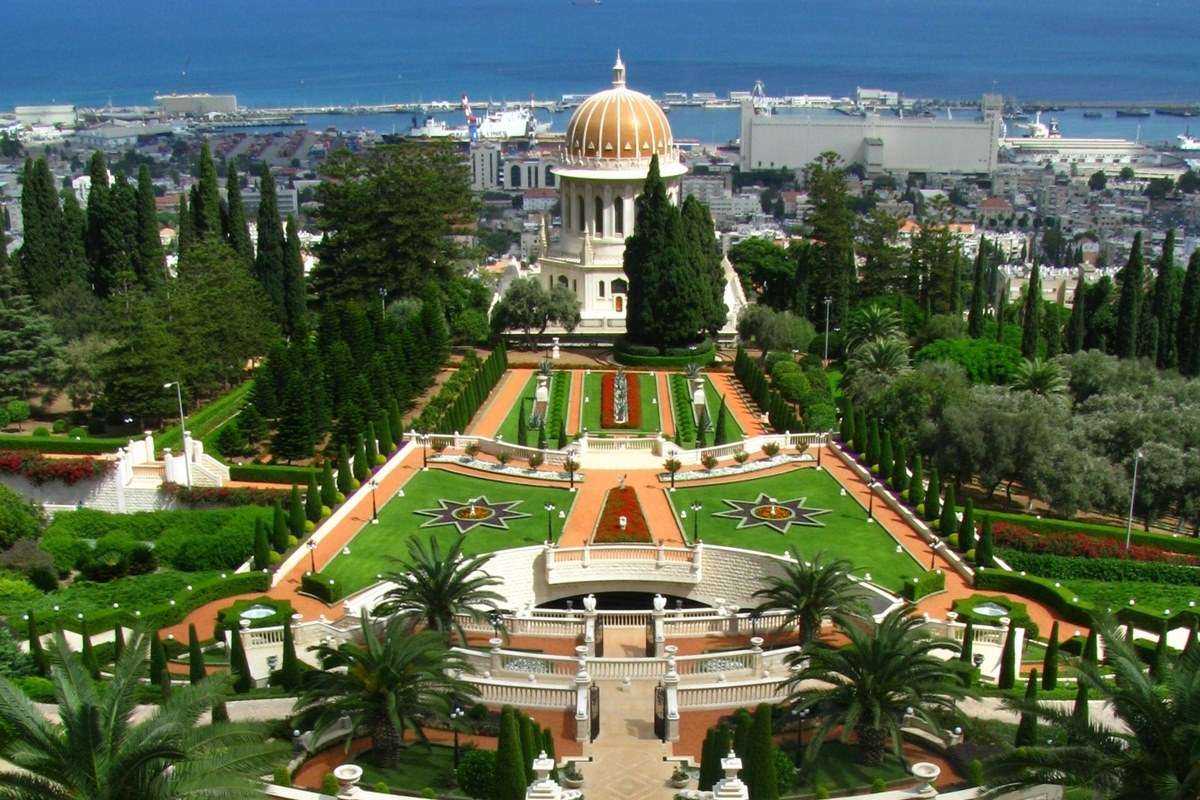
<point x="230" y="616"/>
<point x="1178" y="544"/>
<point x="201" y="496"/>
<point x="1017" y="612"/>
<point x="1100" y="569"/>
<point x="42" y="444"/>
<point x="925" y="584"/>
<point x="322" y="587"/>
<point x="634" y="356"/>
<point x="681" y="405"/>
<point x="272" y="473"/>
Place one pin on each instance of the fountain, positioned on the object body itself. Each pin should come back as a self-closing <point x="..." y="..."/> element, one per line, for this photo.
<point x="620" y="397"/>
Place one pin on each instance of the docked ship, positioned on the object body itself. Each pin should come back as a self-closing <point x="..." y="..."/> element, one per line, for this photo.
<point x="1133" y="112"/>
<point x="499" y="125"/>
<point x="432" y="128"/>
<point x="1188" y="142"/>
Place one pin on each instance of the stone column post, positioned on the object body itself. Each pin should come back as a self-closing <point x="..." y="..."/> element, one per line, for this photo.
<point x="494" y="653"/>
<point x="583" y="701"/>
<point x="543" y="787"/>
<point x="670" y="682"/>
<point x="658" y="620"/>
<point x="589" y="621"/>
<point x="756" y="655"/>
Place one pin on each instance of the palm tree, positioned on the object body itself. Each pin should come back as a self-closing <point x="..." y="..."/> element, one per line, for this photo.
<point x="1151" y="753"/>
<point x="885" y="356"/>
<point x="436" y="588"/>
<point x="98" y="751"/>
<point x="1040" y="377"/>
<point x="875" y="321"/>
<point x="811" y="591"/>
<point x="867" y="687"/>
<point x="385" y="685"/>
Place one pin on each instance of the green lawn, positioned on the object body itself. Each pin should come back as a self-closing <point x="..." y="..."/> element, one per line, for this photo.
<point x="556" y="412"/>
<point x="649" y="402"/>
<point x="844" y="532"/>
<point x="1156" y="596"/>
<point x="375" y="548"/>
<point x="420" y="767"/>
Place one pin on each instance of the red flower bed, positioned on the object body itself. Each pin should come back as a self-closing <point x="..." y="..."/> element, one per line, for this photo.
<point x="622" y="502"/>
<point x="607" y="401"/>
<point x="40" y="469"/>
<point x="224" y="495"/>
<point x="1080" y="545"/>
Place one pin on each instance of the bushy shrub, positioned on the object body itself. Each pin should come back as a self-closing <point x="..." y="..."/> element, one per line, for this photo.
<point x="19" y="518"/>
<point x="476" y="773"/>
<point x="323" y="588"/>
<point x="225" y="548"/>
<point x="59" y="426"/>
<point x="77" y="432"/>
<point x="17" y="589"/>
<point x="37" y="689"/>
<point x="924" y="584"/>
<point x="17" y="411"/>
<point x="25" y="555"/>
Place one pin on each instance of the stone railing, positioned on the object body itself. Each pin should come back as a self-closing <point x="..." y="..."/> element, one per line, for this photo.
<point x="713" y="623"/>
<point x="732" y="695"/>
<point x="522" y="694"/>
<point x="623" y="563"/>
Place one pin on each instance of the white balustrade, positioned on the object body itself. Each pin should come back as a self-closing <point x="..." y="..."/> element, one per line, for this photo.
<point x="732" y="695"/>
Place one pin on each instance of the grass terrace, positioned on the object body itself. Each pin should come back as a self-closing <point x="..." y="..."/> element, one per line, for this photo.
<point x="375" y="548"/>
<point x="560" y="398"/>
<point x="681" y="404"/>
<point x="591" y="400"/>
<point x="842" y="532"/>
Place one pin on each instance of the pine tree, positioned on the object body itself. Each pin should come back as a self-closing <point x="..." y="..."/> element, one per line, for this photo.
<point x="1027" y="727"/>
<point x="295" y="435"/>
<point x="158" y="660"/>
<point x="41" y="665"/>
<point x="238" y="233"/>
<point x="916" y="484"/>
<point x="1032" y="317"/>
<point x="312" y="499"/>
<point x="1129" y="304"/>
<point x="966" y="527"/>
<point x="289" y="671"/>
<point x="1008" y="660"/>
<point x="295" y="292"/>
<point x="196" y="671"/>
<point x="296" y="516"/>
<point x="185" y="234"/>
<point x="1050" y="660"/>
<point x="509" y="777"/>
<point x="149" y="264"/>
<point x="279" y="529"/>
<point x="269" y="259"/>
<point x="362" y="467"/>
<point x="983" y="550"/>
<point x="933" y="496"/>
<point x="1188" y="341"/>
<point x="345" y="474"/>
<point x="975" y="311"/>
<point x="948" y="520"/>
<point x="239" y="665"/>
<point x="88" y="654"/>
<point x="329" y="490"/>
<point x="206" y="212"/>
<point x="759" y="773"/>
<point x="262" y="546"/>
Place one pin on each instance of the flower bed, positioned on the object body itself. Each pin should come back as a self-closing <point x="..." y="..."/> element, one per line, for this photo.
<point x="39" y="469"/>
<point x="224" y="495"/>
<point x="633" y="397"/>
<point x="622" y="502"/>
<point x="1017" y="537"/>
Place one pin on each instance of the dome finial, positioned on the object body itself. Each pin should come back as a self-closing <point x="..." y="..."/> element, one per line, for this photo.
<point x="619" y="71"/>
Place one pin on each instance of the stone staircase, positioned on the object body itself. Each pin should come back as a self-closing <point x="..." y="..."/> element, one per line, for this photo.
<point x="627" y="759"/>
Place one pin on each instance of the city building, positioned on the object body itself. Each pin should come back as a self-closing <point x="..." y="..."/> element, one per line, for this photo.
<point x="485" y="166"/>
<point x="60" y="115"/>
<point x="196" y="105"/>
<point x="287" y="198"/>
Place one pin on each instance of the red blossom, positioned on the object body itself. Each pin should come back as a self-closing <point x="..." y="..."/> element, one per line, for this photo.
<point x="1081" y="545"/>
<point x="622" y="502"/>
<point x="39" y="469"/>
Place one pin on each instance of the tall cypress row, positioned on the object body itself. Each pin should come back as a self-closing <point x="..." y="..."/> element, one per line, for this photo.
<point x="759" y="773"/>
<point x="1050" y="661"/>
<point x="185" y="234"/>
<point x="269" y="260"/>
<point x="1077" y="326"/>
<point x="312" y="499"/>
<point x="1031" y="323"/>
<point x="207" y="210"/>
<point x="975" y="311"/>
<point x="196" y="671"/>
<point x="238" y="233"/>
<point x="1027" y="727"/>
<point x="509" y="777"/>
<point x="1129" y="303"/>
<point x="294" y="291"/>
<point x="1008" y="660"/>
<point x="41" y="665"/>
<point x="158" y="659"/>
<point x="1164" y="306"/>
<point x="966" y="528"/>
<point x="149" y="263"/>
<point x="1188" y="341"/>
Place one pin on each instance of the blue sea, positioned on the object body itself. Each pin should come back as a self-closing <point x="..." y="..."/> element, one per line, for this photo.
<point x="312" y="52"/>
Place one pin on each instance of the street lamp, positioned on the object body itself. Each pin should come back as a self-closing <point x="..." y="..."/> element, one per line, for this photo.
<point x="571" y="466"/>
<point x="374" y="482"/>
<point x="871" y="502"/>
<point x="801" y="716"/>
<point x="424" y="451"/>
<point x="187" y="465"/>
<point x="312" y="557"/>
<point x="549" y="519"/>
<point x="828" y="303"/>
<point x="383" y="299"/>
<point x="456" y="714"/>
<point x="695" y="507"/>
<point x="1137" y="457"/>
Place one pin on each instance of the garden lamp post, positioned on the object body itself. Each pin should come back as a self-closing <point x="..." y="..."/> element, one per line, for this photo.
<point x="374" y="508"/>
<point x="801" y="716"/>
<point x="312" y="556"/>
<point x="695" y="507"/>
<point x="1137" y="457"/>
<point x="933" y="549"/>
<point x="571" y="463"/>
<point x="383" y="299"/>
<point x="455" y="715"/>
<point x="828" y="303"/>
<point x="187" y="464"/>
<point x="549" y="521"/>
<point x="871" y="501"/>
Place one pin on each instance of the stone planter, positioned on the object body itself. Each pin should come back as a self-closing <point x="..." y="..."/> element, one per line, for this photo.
<point x="569" y="782"/>
<point x="680" y="783"/>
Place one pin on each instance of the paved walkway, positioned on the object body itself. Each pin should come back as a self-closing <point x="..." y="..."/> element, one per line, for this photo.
<point x="587" y="507"/>
<point x="503" y="399"/>
<point x="575" y="403"/>
<point x="666" y="410"/>
<point x="726" y="384"/>
<point x="627" y="758"/>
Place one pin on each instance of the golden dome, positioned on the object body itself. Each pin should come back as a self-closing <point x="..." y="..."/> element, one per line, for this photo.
<point x="618" y="124"/>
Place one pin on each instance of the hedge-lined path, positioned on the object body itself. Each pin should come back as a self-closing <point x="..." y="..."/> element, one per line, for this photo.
<point x="659" y="517"/>
<point x="956" y="587"/>
<point x="666" y="409"/>
<point x="502" y="400"/>
<point x="575" y="403"/>
<point x="726" y="384"/>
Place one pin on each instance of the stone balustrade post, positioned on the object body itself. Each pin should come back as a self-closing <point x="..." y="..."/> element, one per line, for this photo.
<point x="583" y="700"/>
<point x="756" y="655"/>
<point x="697" y="552"/>
<point x="658" y="620"/>
<point x="670" y="682"/>
<point x="494" y="653"/>
<point x="543" y="787"/>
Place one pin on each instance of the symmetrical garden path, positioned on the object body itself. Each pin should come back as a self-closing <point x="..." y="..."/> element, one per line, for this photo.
<point x="728" y="385"/>
<point x="575" y="411"/>
<point x="659" y="518"/>
<point x="666" y="410"/>
<point x="502" y="400"/>
<point x="627" y="758"/>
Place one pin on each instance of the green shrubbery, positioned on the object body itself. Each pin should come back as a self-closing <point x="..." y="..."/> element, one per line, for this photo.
<point x="1099" y="569"/>
<point x="461" y="396"/>
<point x="924" y="584"/>
<point x="322" y="587"/>
<point x="639" y="355"/>
<point x="1177" y="544"/>
<point x="1017" y="612"/>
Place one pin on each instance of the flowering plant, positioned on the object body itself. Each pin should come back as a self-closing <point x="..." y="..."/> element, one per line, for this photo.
<point x="1081" y="545"/>
<point x="39" y="469"/>
<point x="622" y="502"/>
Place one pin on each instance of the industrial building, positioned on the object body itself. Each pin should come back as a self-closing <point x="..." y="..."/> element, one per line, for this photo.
<point x="880" y="142"/>
<point x="196" y="105"/>
<point x="61" y="115"/>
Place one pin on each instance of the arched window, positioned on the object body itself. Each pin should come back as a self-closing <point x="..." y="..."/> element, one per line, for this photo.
<point x="562" y="281"/>
<point x="550" y="179"/>
<point x="619" y="303"/>
<point x="598" y="230"/>
<point x="620" y="286"/>
<point x="619" y="216"/>
<point x="602" y="288"/>
<point x="579" y="211"/>
<point x="515" y="177"/>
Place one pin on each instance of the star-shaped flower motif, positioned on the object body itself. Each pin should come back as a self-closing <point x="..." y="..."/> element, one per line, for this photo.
<point x="776" y="514"/>
<point x="472" y="514"/>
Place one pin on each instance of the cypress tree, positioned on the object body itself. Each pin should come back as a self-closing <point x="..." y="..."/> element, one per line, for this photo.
<point x="707" y="761"/>
<point x="872" y="454"/>
<point x="269" y="260"/>
<point x="975" y="312"/>
<point x="1192" y="637"/>
<point x="562" y="434"/>
<point x="549" y="749"/>
<point x="885" y="454"/>
<point x="279" y="529"/>
<point x="1129" y="303"/>
<point x="845" y="427"/>
<point x="1077" y="325"/>
<point x="1188" y="328"/>
<point x="296" y="432"/>
<point x="396" y="421"/>
<point x="1031" y="322"/>
<point x="529" y="745"/>
<point x="164" y="687"/>
<point x="89" y="654"/>
<point x="41" y="666"/>
<point x="296" y="516"/>
<point x="966" y="653"/>
<point x="1080" y="718"/>
<point x="295" y="292"/>
<point x="861" y="432"/>
<point x="262" y="546"/>
<point x="96" y="219"/>
<point x="1091" y="648"/>
<point x="387" y="442"/>
<point x="149" y="264"/>
<point x="916" y="483"/>
<point x="185" y="234"/>
<point x="966" y="528"/>
<point x="158" y="660"/>
<point x="238" y="232"/>
<point x="219" y="713"/>
<point x="207" y="210"/>
<point x="1161" y="661"/>
<point x="238" y="664"/>
<point x="196" y="671"/>
<point x="522" y="426"/>
<point x="362" y="467"/>
<point x="1050" y="660"/>
<point x="345" y="475"/>
<point x="1027" y="727"/>
<point x="720" y="435"/>
<point x="329" y="490"/>
<point x="743" y="727"/>
<point x="289" y="671"/>
<point x="948" y="521"/>
<point x="372" y="445"/>
<point x="759" y="772"/>
<point x="1008" y="660"/>
<point x="509" y="777"/>
<point x="899" y="477"/>
<point x="312" y="499"/>
<point x="983" y="550"/>
<point x="118" y="642"/>
<point x="933" y="496"/>
<point x="1165" y="303"/>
